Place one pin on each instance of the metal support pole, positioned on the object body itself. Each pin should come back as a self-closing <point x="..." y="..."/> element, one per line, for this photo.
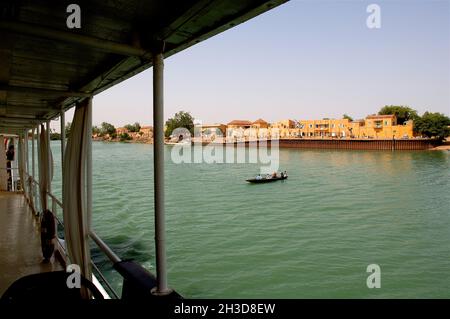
<point x="47" y="136"/>
<point x="158" y="163"/>
<point x="27" y="165"/>
<point x="38" y="149"/>
<point x="33" y="169"/>
<point x="32" y="192"/>
<point x="63" y="145"/>
<point x="13" y="188"/>
<point x="27" y="159"/>
<point x="89" y="163"/>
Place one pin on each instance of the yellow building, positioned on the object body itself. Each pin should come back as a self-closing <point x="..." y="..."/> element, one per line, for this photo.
<point x="239" y="124"/>
<point x="385" y="126"/>
<point x="238" y="130"/>
<point x="283" y="124"/>
<point x="374" y="126"/>
<point x="260" y="124"/>
<point x="323" y="128"/>
<point x="212" y="132"/>
<point x="283" y="129"/>
<point x="121" y="130"/>
<point x="381" y="127"/>
<point x="259" y="129"/>
<point x="246" y="130"/>
<point x="147" y="131"/>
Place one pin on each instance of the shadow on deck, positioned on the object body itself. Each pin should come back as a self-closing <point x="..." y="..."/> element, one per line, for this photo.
<point x="20" y="245"/>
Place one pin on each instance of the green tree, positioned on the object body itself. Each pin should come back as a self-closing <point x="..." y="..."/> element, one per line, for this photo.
<point x="96" y="130"/>
<point x="136" y="127"/>
<point x="107" y="128"/>
<point x="433" y="125"/>
<point x="181" y="119"/>
<point x="124" y="137"/>
<point x="403" y="113"/>
<point x="347" y="117"/>
<point x="55" y="136"/>
<point x="67" y="129"/>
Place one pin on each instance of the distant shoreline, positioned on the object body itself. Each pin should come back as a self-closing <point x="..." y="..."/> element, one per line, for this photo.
<point x="349" y="144"/>
<point x="132" y="141"/>
<point x="444" y="147"/>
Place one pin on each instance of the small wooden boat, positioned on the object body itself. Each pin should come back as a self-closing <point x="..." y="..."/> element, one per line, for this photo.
<point x="266" y="180"/>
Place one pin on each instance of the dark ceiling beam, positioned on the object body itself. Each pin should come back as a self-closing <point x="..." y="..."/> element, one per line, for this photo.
<point x="9" y="132"/>
<point x="30" y="110"/>
<point x="171" y="49"/>
<point x="185" y="17"/>
<point x="20" y="120"/>
<point x="47" y="92"/>
<point x="15" y="128"/>
<point x="75" y="38"/>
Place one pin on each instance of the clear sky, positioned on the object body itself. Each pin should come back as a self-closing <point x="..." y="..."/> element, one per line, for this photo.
<point x="302" y="60"/>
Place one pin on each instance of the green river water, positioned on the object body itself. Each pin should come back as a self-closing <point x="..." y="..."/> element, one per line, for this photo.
<point x="311" y="236"/>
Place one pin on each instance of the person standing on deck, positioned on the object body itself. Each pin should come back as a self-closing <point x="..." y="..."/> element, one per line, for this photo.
<point x="9" y="159"/>
<point x="3" y="170"/>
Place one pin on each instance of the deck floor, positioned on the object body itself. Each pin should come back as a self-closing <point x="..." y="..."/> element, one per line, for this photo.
<point x="20" y="245"/>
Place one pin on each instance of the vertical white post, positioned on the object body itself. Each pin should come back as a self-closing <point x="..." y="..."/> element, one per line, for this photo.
<point x="158" y="160"/>
<point x="27" y="164"/>
<point x="47" y="136"/>
<point x="63" y="145"/>
<point x="38" y="146"/>
<point x="25" y="141"/>
<point x="13" y="162"/>
<point x="89" y="162"/>
<point x="33" y="169"/>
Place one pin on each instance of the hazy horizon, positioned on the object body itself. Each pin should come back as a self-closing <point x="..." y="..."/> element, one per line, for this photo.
<point x="302" y="60"/>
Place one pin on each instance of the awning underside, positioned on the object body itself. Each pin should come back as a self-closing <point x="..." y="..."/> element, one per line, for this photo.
<point x="45" y="66"/>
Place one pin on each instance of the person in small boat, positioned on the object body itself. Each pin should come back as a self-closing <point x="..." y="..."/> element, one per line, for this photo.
<point x="274" y="175"/>
<point x="282" y="175"/>
<point x="258" y="177"/>
<point x="285" y="174"/>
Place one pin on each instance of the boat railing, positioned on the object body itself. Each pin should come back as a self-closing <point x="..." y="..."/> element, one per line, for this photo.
<point x="14" y="182"/>
<point x="31" y="194"/>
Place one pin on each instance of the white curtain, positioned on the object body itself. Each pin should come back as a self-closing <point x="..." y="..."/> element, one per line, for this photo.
<point x="22" y="162"/>
<point x="45" y="170"/>
<point x="3" y="172"/>
<point x="76" y="215"/>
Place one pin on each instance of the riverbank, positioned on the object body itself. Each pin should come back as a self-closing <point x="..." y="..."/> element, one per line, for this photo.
<point x="443" y="147"/>
<point x="347" y="144"/>
<point x="116" y="140"/>
<point x="350" y="144"/>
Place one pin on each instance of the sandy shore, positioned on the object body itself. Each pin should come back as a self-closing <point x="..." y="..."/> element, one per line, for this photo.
<point x="441" y="148"/>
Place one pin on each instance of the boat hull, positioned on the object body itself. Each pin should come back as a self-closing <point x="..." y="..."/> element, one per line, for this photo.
<point x="265" y="180"/>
